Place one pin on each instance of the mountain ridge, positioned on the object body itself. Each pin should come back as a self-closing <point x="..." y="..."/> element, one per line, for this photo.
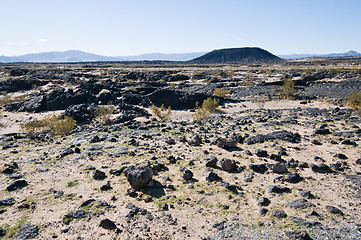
<point x="80" y="56"/>
<point x="350" y="53"/>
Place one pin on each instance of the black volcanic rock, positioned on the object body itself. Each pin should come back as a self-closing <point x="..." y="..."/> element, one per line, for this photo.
<point x="237" y="55"/>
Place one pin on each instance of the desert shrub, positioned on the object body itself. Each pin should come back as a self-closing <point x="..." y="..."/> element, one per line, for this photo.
<point x="210" y="104"/>
<point x="56" y="124"/>
<point x="288" y="88"/>
<point x="208" y="107"/>
<point x="354" y="101"/>
<point x="6" y="99"/>
<point x="260" y="100"/>
<point x="220" y="92"/>
<point x="162" y="114"/>
<point x="103" y="113"/>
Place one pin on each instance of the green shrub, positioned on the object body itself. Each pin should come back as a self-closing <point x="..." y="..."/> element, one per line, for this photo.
<point x="220" y="92"/>
<point x="56" y="124"/>
<point x="354" y="101"/>
<point x="103" y="113"/>
<point x="288" y="88"/>
<point x="161" y="113"/>
<point x="209" y="106"/>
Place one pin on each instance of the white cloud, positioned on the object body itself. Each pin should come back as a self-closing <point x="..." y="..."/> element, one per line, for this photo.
<point x="41" y="40"/>
<point x="10" y="43"/>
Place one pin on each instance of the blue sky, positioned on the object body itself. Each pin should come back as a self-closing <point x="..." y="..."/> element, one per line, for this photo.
<point x="130" y="27"/>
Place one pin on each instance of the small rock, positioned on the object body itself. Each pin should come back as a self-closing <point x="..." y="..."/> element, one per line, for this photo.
<point x="139" y="177"/>
<point x="278" y="213"/>
<point x="263" y="201"/>
<point x="228" y="164"/>
<point x="261" y="153"/>
<point x="15" y="175"/>
<point x="278" y="189"/>
<point x="279" y="168"/>
<point x="76" y="214"/>
<point x="321" y="131"/>
<point x="212" y="176"/>
<point x="195" y="141"/>
<point x="263" y="211"/>
<point x="187" y="174"/>
<point x="212" y="162"/>
<point x="7" y="202"/>
<point x="17" y="185"/>
<point x="169" y="141"/>
<point x="305" y="194"/>
<point x="99" y="175"/>
<point x="226" y="143"/>
<point x="340" y="156"/>
<point x="297" y="235"/>
<point x="27" y="231"/>
<point x="107" y="224"/>
<point x="2" y="232"/>
<point x="106" y="187"/>
<point x="333" y="210"/>
<point x="293" y="178"/>
<point x="259" y="168"/>
<point x="300" y="203"/>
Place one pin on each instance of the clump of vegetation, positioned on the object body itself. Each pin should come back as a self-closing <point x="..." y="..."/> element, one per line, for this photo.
<point x="6" y="99"/>
<point x="288" y="88"/>
<point x="162" y="114"/>
<point x="260" y="100"/>
<point x="208" y="107"/>
<point x="354" y="101"/>
<point x="104" y="114"/>
<point x="56" y="124"/>
<point x="220" y="92"/>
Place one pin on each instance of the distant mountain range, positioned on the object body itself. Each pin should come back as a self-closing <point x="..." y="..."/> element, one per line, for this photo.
<point x="300" y="56"/>
<point x="79" y="56"/>
<point x="164" y="56"/>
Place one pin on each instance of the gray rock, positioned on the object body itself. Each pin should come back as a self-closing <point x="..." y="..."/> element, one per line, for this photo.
<point x="278" y="213"/>
<point x="259" y="168"/>
<point x="228" y="164"/>
<point x="305" y="194"/>
<point x="304" y="222"/>
<point x="139" y="177"/>
<point x="98" y="175"/>
<point x="76" y="214"/>
<point x="278" y="189"/>
<point x="279" y="168"/>
<point x="297" y="235"/>
<point x="261" y="153"/>
<point x="187" y="174"/>
<point x="195" y="141"/>
<point x="27" y="231"/>
<point x="107" y="224"/>
<point x="7" y="202"/>
<point x="300" y="203"/>
<point x="293" y="178"/>
<point x="2" y="232"/>
<point x="333" y="210"/>
<point x="212" y="177"/>
<point x="226" y="143"/>
<point x="17" y="185"/>
<point x="263" y="201"/>
<point x="211" y="162"/>
<point x="263" y="211"/>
